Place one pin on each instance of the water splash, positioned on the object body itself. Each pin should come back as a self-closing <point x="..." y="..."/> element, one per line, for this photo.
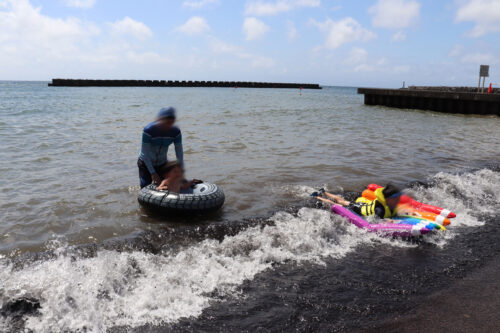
<point x="135" y="288"/>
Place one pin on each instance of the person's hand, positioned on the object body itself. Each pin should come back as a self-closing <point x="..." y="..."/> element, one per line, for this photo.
<point x="156" y="178"/>
<point x="195" y="182"/>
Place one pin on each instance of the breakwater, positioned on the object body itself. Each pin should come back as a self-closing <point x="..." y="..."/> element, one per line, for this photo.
<point x="441" y="99"/>
<point x="170" y="83"/>
<point x="472" y="90"/>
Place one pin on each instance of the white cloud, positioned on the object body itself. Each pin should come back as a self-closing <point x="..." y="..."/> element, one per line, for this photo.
<point x="357" y="56"/>
<point x="459" y="52"/>
<point x="197" y="4"/>
<point x="196" y="25"/>
<point x="259" y="61"/>
<point x="128" y="26"/>
<point x="80" y="3"/>
<point x="263" y="8"/>
<point x="291" y="30"/>
<point x="456" y="51"/>
<point x="479" y="58"/>
<point x="364" y="68"/>
<point x="256" y="61"/>
<point x="219" y="46"/>
<point x="344" y="31"/>
<point x="398" y="36"/>
<point x="147" y="57"/>
<point x="382" y="61"/>
<point x="34" y="45"/>
<point x="254" y="28"/>
<point x="395" y="14"/>
<point x="402" y="69"/>
<point x="484" y="13"/>
<point x="24" y="29"/>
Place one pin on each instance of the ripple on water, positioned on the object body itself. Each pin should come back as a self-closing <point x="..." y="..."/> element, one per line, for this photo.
<point x="67" y="151"/>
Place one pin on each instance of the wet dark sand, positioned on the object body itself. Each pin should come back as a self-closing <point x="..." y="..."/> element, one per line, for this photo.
<point x="469" y="305"/>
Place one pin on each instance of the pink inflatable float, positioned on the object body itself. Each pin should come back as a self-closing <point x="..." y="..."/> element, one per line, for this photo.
<point x="386" y="229"/>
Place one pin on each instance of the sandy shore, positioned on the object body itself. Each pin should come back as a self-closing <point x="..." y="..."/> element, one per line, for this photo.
<point x="469" y="305"/>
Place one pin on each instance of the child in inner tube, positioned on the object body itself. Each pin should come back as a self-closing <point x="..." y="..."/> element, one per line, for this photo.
<point x="384" y="206"/>
<point x="173" y="178"/>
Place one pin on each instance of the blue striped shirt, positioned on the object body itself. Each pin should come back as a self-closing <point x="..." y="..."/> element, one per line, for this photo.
<point x="155" y="143"/>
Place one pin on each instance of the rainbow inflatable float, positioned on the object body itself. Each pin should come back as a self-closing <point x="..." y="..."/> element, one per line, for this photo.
<point x="410" y="205"/>
<point x="414" y="218"/>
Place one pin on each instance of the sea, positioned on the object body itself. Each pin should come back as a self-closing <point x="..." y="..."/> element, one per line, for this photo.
<point x="79" y="254"/>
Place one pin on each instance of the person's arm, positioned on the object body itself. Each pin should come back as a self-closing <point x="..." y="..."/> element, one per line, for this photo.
<point x="325" y="200"/>
<point x="185" y="185"/>
<point x="164" y="185"/>
<point x="337" y="198"/>
<point x="179" y="152"/>
<point x="147" y="152"/>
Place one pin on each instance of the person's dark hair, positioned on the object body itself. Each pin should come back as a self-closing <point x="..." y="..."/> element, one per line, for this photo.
<point x="168" y="167"/>
<point x="390" y="190"/>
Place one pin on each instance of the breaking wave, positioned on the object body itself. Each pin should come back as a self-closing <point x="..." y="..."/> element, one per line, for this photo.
<point x="133" y="288"/>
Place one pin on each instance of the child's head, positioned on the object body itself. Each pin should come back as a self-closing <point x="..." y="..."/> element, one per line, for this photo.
<point x="172" y="170"/>
<point x="392" y="195"/>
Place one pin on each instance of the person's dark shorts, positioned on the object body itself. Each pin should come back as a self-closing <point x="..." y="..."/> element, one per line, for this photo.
<point x="355" y="207"/>
<point x="144" y="175"/>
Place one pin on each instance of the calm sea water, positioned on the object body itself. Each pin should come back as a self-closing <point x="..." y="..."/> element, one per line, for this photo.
<point x="69" y="182"/>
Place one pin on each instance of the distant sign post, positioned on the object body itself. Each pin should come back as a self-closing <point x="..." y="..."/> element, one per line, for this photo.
<point x="483" y="73"/>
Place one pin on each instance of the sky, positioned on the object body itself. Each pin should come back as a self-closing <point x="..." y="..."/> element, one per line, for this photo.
<point x="378" y="43"/>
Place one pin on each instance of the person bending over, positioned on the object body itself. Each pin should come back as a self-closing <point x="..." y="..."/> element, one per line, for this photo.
<point x="156" y="138"/>
<point x="174" y="180"/>
<point x="383" y="206"/>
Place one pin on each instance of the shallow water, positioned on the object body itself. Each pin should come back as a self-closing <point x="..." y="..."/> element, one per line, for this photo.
<point x="74" y="237"/>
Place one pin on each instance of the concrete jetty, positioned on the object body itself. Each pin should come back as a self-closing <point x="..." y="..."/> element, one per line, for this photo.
<point x="170" y="83"/>
<point x="442" y="99"/>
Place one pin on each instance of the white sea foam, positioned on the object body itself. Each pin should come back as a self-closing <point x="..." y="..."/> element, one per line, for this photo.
<point x="300" y="191"/>
<point x="478" y="195"/>
<point x="471" y="196"/>
<point x="135" y="288"/>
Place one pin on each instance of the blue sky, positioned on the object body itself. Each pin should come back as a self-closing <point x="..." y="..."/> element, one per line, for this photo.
<point x="335" y="42"/>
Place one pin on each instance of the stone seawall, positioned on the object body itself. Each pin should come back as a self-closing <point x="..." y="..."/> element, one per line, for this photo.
<point x="163" y="83"/>
<point x="434" y="100"/>
<point x="472" y="90"/>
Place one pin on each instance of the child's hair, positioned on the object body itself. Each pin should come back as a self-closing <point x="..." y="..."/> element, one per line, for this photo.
<point x="391" y="191"/>
<point x="169" y="167"/>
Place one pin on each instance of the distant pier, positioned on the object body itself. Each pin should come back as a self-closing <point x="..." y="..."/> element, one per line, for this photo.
<point x="163" y="83"/>
<point x="442" y="99"/>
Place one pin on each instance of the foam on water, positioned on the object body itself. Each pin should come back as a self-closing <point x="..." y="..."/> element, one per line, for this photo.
<point x="299" y="191"/>
<point x="471" y="196"/>
<point x="136" y="288"/>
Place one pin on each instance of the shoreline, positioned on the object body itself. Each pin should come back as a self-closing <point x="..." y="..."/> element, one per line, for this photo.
<point x="468" y="305"/>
